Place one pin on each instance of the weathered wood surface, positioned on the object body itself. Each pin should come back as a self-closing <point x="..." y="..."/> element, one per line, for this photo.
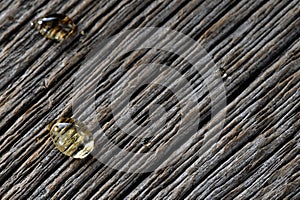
<point x="256" y="45"/>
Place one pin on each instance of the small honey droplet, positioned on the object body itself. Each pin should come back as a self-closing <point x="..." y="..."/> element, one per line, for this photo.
<point x="55" y="26"/>
<point x="71" y="137"/>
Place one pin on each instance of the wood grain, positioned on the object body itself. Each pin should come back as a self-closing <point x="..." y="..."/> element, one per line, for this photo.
<point x="256" y="47"/>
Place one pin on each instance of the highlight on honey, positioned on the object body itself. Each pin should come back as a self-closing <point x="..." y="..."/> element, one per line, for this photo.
<point x="71" y="137"/>
<point x="56" y="27"/>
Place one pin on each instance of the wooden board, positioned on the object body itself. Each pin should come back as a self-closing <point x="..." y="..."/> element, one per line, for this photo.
<point x="210" y="90"/>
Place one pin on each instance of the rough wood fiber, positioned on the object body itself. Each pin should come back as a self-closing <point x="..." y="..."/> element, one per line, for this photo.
<point x="256" y="45"/>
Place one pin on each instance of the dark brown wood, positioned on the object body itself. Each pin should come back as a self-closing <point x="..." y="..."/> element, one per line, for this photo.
<point x="256" y="47"/>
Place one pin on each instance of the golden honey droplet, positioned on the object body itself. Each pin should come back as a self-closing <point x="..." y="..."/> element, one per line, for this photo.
<point x="55" y="26"/>
<point x="71" y="137"/>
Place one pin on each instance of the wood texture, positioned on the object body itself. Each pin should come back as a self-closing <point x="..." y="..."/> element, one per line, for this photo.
<point x="254" y="43"/>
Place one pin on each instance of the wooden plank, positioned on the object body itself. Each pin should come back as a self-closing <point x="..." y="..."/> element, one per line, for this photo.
<point x="255" y="45"/>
